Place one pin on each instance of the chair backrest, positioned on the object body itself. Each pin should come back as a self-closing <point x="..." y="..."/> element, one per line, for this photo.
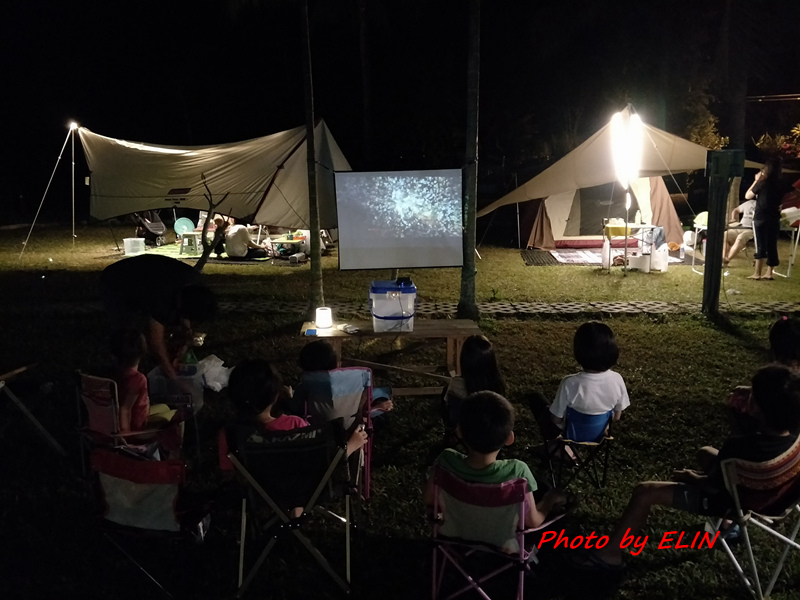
<point x="341" y="393"/>
<point x="289" y="465"/>
<point x="99" y="394"/>
<point x="768" y="487"/>
<point x="580" y="427"/>
<point x="139" y="493"/>
<point x="483" y="513"/>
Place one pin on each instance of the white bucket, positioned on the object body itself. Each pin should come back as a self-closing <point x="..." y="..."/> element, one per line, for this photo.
<point x="133" y="246"/>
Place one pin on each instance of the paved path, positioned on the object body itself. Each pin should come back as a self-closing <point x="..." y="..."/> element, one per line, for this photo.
<point x="444" y="309"/>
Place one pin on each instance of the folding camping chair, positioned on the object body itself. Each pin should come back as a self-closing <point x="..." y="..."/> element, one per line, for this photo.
<point x="140" y="497"/>
<point x="344" y="393"/>
<point x="5" y="390"/>
<point x="100" y="398"/>
<point x="767" y="497"/>
<point x="586" y="438"/>
<point x="483" y="520"/>
<point x="290" y="470"/>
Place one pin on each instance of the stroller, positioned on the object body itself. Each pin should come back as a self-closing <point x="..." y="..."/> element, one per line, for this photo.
<point x="150" y="227"/>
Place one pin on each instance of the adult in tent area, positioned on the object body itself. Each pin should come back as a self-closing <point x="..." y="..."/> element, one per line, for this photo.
<point x="768" y="191"/>
<point x="740" y="230"/>
<point x="239" y="244"/>
<point x="160" y="295"/>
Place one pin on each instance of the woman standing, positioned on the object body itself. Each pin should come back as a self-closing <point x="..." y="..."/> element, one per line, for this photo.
<point x="767" y="189"/>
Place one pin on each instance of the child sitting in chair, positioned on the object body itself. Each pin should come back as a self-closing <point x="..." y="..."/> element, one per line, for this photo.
<point x="128" y="347"/>
<point x="479" y="372"/>
<point x="776" y="402"/>
<point x="255" y="388"/>
<point x="486" y="425"/>
<point x="319" y="355"/>
<point x="595" y="390"/>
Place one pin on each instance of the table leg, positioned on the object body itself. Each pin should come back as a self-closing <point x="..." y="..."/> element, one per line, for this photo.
<point x="454" y="355"/>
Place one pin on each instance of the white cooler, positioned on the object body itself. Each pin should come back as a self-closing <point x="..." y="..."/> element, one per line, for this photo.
<point x="392" y="304"/>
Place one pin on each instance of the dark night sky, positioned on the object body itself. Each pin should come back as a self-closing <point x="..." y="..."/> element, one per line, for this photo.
<point x="189" y="72"/>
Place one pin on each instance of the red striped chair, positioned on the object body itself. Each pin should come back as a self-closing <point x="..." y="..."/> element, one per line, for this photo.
<point x="767" y="497"/>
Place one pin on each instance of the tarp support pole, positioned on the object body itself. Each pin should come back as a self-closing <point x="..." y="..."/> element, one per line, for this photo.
<point x="41" y="202"/>
<point x="72" y="131"/>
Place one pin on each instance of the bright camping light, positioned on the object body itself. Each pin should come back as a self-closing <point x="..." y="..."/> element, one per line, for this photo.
<point x="627" y="200"/>
<point x="73" y="126"/>
<point x="627" y="134"/>
<point x="324" y="318"/>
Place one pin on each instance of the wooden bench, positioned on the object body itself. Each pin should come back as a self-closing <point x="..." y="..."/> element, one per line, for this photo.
<point x="454" y="331"/>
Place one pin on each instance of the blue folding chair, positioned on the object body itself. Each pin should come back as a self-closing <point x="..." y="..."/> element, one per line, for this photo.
<point x="585" y="439"/>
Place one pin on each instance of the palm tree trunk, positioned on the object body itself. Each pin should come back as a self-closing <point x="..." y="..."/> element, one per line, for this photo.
<point x="467" y="307"/>
<point x="316" y="296"/>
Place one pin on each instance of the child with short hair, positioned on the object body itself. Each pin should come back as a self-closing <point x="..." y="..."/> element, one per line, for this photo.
<point x="784" y="349"/>
<point x="128" y="347"/>
<point x="595" y="390"/>
<point x="776" y="399"/>
<point x="486" y="425"/>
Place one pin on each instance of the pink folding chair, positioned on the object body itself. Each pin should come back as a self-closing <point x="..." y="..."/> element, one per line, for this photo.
<point x="480" y="518"/>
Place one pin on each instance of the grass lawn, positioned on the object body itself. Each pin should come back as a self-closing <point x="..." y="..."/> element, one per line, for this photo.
<point x="678" y="369"/>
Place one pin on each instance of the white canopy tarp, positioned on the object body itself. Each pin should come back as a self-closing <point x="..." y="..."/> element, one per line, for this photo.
<point x="592" y="164"/>
<point x="266" y="177"/>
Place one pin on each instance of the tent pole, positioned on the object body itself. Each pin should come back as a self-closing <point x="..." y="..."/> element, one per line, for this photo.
<point x="72" y="136"/>
<point x="41" y="202"/>
<point x="519" y="231"/>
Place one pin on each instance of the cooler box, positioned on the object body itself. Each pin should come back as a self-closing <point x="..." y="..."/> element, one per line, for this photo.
<point x="133" y="246"/>
<point x="392" y="304"/>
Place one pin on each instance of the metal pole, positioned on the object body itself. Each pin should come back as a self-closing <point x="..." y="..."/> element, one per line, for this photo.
<point x="519" y="231"/>
<point x="627" y="231"/>
<point x="72" y="131"/>
<point x="38" y="210"/>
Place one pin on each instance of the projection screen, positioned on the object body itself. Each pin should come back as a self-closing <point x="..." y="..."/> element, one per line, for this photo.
<point x="399" y="219"/>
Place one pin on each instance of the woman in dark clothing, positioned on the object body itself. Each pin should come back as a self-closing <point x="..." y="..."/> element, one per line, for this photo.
<point x="767" y="189"/>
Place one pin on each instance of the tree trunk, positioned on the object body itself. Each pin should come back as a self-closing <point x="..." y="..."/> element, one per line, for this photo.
<point x="467" y="307"/>
<point x="366" y="107"/>
<point x="316" y="297"/>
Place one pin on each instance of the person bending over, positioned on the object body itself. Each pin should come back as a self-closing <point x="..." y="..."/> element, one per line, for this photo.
<point x="157" y="294"/>
<point x="239" y="244"/>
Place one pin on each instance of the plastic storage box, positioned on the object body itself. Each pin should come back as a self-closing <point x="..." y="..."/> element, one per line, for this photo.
<point x="184" y="391"/>
<point x="133" y="246"/>
<point x="392" y="304"/>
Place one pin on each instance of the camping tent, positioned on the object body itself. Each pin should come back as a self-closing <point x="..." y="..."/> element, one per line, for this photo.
<point x="266" y="177"/>
<point x="574" y="207"/>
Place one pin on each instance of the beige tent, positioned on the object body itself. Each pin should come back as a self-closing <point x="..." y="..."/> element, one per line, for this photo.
<point x="266" y="177"/>
<point x="579" y="189"/>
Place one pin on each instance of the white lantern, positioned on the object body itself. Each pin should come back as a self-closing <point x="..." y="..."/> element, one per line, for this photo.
<point x="324" y="318"/>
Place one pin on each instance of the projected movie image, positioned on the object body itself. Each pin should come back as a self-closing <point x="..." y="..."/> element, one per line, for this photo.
<point x="394" y="220"/>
